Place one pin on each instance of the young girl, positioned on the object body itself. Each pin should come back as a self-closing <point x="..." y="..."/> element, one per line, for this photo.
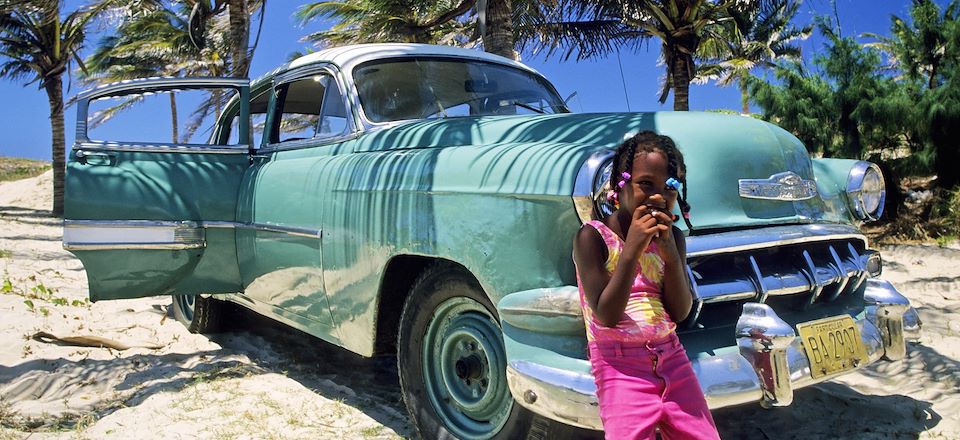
<point x="633" y="290"/>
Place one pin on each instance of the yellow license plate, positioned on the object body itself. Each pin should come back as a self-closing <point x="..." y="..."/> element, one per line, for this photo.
<point x="833" y="345"/>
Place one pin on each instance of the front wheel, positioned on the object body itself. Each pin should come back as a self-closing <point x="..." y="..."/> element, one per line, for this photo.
<point x="452" y="362"/>
<point x="452" y="365"/>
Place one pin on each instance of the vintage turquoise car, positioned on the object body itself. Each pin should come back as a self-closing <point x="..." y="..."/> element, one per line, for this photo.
<point x="420" y="201"/>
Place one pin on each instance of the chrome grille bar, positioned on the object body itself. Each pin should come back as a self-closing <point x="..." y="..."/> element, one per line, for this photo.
<point x="820" y="271"/>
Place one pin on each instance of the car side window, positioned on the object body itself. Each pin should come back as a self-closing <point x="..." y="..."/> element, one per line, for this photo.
<point x="333" y="115"/>
<point x="298" y="104"/>
<point x="308" y="108"/>
<point x="258" y="118"/>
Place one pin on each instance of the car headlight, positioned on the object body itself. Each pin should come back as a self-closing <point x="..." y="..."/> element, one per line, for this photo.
<point x="592" y="185"/>
<point x="866" y="191"/>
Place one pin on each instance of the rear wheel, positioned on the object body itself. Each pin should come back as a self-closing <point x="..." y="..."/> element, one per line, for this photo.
<point x="199" y="314"/>
<point x="452" y="364"/>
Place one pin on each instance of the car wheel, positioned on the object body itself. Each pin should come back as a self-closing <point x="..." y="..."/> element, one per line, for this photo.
<point x="199" y="314"/>
<point x="452" y="361"/>
<point x="452" y="364"/>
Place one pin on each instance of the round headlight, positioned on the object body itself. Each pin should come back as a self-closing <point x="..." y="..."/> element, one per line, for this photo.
<point x="601" y="187"/>
<point x="591" y="186"/>
<point x="866" y="190"/>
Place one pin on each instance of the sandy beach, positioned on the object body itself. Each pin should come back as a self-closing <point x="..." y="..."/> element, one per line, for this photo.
<point x="273" y="382"/>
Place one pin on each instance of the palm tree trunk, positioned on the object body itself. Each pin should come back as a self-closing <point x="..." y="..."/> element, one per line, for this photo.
<point x="744" y="96"/>
<point x="498" y="38"/>
<point x="54" y="88"/>
<point x="239" y="38"/>
<point x="681" y="83"/>
<point x="173" y="116"/>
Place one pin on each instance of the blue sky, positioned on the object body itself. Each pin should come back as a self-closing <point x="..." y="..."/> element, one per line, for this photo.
<point x="24" y="111"/>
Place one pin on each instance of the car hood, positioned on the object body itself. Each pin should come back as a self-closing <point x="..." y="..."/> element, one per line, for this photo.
<point x="719" y="151"/>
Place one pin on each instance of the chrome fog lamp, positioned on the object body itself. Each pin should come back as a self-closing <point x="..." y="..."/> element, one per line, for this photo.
<point x="592" y="185"/>
<point x="865" y="190"/>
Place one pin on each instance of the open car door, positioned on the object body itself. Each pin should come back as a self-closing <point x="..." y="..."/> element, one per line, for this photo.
<point x="152" y="218"/>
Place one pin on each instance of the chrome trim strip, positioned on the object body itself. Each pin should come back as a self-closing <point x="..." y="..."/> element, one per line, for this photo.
<point x="219" y="224"/>
<point x="749" y="239"/>
<point x="269" y="227"/>
<point x="727" y="377"/>
<point x="154" y="84"/>
<point x="157" y="234"/>
<point x="132" y="234"/>
<point x="158" y="147"/>
<point x="787" y="186"/>
<point x="313" y="142"/>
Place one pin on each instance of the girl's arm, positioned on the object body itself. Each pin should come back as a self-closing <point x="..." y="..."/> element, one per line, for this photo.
<point x="607" y="294"/>
<point x="677" y="295"/>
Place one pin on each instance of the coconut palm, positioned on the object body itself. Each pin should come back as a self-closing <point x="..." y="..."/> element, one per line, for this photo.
<point x="153" y="42"/>
<point x="460" y="23"/>
<point x="230" y="22"/>
<point x="37" y="45"/>
<point x="381" y="21"/>
<point x="758" y="34"/>
<point x="600" y="27"/>
<point x="157" y="38"/>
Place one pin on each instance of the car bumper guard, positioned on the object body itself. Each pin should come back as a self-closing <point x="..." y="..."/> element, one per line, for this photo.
<point x="767" y="364"/>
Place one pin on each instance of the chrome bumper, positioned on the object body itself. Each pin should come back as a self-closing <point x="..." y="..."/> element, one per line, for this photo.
<point x="766" y="366"/>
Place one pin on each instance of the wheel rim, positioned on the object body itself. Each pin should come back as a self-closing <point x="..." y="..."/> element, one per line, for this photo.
<point x="464" y="369"/>
<point x="186" y="304"/>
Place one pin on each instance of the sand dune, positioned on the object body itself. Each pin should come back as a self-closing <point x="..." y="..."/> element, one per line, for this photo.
<point x="278" y="383"/>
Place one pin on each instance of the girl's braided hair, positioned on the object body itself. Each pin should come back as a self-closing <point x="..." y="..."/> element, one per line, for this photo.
<point x="649" y="142"/>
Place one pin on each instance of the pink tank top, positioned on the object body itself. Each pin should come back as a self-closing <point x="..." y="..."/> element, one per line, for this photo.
<point x="644" y="319"/>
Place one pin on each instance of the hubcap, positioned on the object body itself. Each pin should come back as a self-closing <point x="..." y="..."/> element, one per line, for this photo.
<point x="186" y="304"/>
<point x="464" y="364"/>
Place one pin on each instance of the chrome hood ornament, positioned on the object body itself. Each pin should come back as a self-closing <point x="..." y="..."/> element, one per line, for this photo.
<point x="787" y="186"/>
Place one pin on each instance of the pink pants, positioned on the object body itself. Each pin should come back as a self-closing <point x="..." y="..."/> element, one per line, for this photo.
<point x="642" y="387"/>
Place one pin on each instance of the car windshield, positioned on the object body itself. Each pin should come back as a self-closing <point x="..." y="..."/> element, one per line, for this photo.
<point x="418" y="88"/>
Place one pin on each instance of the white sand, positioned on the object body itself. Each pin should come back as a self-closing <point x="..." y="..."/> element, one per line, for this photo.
<point x="276" y="383"/>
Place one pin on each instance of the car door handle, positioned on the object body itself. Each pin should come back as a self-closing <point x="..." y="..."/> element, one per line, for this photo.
<point x="259" y="158"/>
<point x="96" y="159"/>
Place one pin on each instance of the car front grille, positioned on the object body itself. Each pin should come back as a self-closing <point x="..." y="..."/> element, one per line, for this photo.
<point x="795" y="270"/>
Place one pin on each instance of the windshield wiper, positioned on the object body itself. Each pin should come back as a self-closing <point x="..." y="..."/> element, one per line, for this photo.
<point x="527" y="106"/>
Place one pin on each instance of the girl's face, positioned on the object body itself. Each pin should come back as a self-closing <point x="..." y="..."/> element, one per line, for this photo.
<point x="648" y="184"/>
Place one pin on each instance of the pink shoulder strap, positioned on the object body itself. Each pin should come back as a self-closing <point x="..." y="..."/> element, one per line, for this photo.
<point x="609" y="237"/>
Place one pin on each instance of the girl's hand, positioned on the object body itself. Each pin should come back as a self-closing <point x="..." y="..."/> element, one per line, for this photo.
<point x="645" y="226"/>
<point x="666" y="244"/>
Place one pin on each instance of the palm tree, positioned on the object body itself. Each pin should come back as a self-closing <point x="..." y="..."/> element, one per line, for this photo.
<point x="758" y="35"/>
<point x="440" y="22"/>
<point x="157" y="38"/>
<point x="600" y="27"/>
<point x="154" y="42"/>
<point x="496" y="28"/>
<point x="236" y="29"/>
<point x="381" y="21"/>
<point x="37" y="45"/>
